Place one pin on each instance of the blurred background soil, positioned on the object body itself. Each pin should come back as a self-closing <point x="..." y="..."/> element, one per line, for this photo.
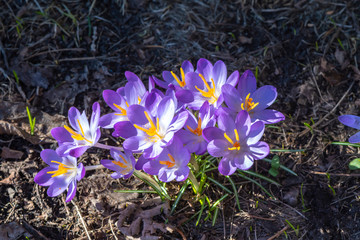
<point x="58" y="54"/>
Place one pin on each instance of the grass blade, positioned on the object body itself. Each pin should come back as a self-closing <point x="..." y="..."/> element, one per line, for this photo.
<point x="281" y="166"/>
<point x="346" y="144"/>
<point x="287" y="150"/>
<point x="216" y="213"/>
<point x="177" y="200"/>
<point x="260" y="176"/>
<point x="257" y="183"/>
<point x="220" y="185"/>
<point x="218" y="201"/>
<point x="235" y="192"/>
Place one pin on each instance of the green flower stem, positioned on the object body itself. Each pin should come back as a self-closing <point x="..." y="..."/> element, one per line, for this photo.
<point x="194" y="182"/>
<point x="194" y="163"/>
<point x="108" y="147"/>
<point x="152" y="183"/>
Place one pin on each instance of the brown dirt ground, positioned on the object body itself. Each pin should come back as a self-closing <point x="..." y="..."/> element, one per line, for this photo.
<point x="66" y="52"/>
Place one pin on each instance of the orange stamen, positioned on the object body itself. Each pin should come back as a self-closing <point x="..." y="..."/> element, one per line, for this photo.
<point x="170" y="163"/>
<point x="77" y="136"/>
<point x="181" y="82"/>
<point x="198" y="130"/>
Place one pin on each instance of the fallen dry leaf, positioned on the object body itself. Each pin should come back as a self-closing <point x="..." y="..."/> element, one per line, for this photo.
<point x="8" y="153"/>
<point x="10" y="129"/>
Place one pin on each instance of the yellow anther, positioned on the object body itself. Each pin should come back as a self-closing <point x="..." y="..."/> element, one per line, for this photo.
<point x="180" y="82"/>
<point x="211" y="91"/>
<point x="235" y="145"/>
<point x="61" y="170"/>
<point x="170" y="163"/>
<point x="249" y="104"/>
<point x="196" y="131"/>
<point x="153" y="130"/>
<point x="139" y="101"/>
<point x="123" y="110"/>
<point x="228" y="138"/>
<point x="75" y="135"/>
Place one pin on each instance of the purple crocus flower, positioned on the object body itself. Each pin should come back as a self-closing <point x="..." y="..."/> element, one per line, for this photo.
<point x="192" y="137"/>
<point x="254" y="101"/>
<point x="354" y="122"/>
<point x="207" y="82"/>
<point x="236" y="142"/>
<point x="75" y="140"/>
<point x="123" y="165"/>
<point x="61" y="174"/>
<point x="170" y="164"/>
<point x="133" y="93"/>
<point x="153" y="132"/>
<point x="179" y="84"/>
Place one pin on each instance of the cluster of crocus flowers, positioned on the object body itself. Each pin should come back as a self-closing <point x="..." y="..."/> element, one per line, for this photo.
<point x="202" y="111"/>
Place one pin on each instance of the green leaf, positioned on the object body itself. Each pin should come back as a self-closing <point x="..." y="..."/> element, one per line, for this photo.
<point x="354" y="164"/>
<point x="273" y="172"/>
<point x="275" y="162"/>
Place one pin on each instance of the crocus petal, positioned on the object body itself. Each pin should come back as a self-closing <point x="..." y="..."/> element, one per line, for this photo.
<point x="233" y="79"/>
<point x="109" y="120"/>
<point x="124" y="129"/>
<point x="78" y="151"/>
<point x="217" y="147"/>
<point x="268" y="116"/>
<point x="265" y="96"/>
<point x="187" y="66"/>
<point x="110" y="165"/>
<point x="205" y="67"/>
<point x="243" y="162"/>
<point x="226" y="123"/>
<point x="160" y="83"/>
<point x="219" y="73"/>
<point x="166" y="111"/>
<point x="211" y="133"/>
<point x="182" y="174"/>
<point x="247" y="84"/>
<point x="256" y="132"/>
<point x="136" y="115"/>
<point x="232" y="98"/>
<point x="71" y="191"/>
<point x="350" y="121"/>
<point x="355" y="138"/>
<point x="43" y="178"/>
<point x="140" y="163"/>
<point x="48" y="155"/>
<point x="59" y="186"/>
<point x="226" y="167"/>
<point x="95" y="116"/>
<point x="184" y="96"/>
<point x="111" y="97"/>
<point x="259" y="150"/>
<point x="178" y="122"/>
<point x="243" y="123"/>
<point x="137" y="143"/>
<point x="73" y="116"/>
<point x="61" y="135"/>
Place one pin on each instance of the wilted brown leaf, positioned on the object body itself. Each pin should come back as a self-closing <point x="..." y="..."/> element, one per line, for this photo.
<point x="8" y="153"/>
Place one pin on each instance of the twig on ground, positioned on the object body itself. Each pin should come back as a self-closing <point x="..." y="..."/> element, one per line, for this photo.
<point x="329" y="113"/>
<point x="337" y="174"/>
<point x="278" y="233"/>
<point x="82" y="221"/>
<point x="112" y="230"/>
